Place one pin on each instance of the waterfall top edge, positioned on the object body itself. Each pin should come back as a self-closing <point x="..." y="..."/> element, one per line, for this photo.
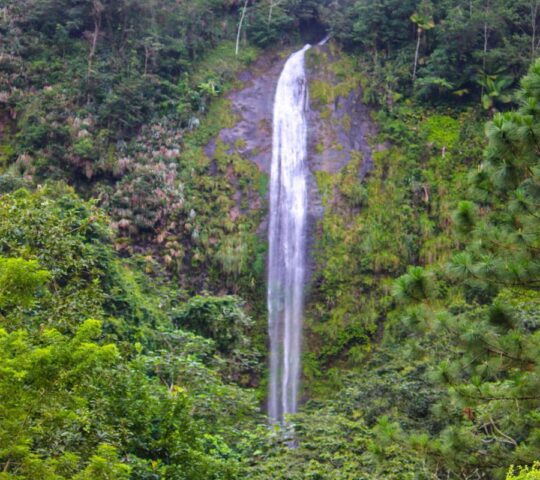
<point x="324" y="40"/>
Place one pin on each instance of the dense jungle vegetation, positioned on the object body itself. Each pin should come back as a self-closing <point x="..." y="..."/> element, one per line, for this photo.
<point x="132" y="286"/>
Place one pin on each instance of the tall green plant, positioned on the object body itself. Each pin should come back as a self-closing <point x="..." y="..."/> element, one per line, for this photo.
<point x="423" y="22"/>
<point x="491" y="323"/>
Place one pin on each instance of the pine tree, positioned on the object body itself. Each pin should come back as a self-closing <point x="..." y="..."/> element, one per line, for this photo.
<point x="491" y="323"/>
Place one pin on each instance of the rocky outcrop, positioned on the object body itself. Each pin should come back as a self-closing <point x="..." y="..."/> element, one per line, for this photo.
<point x="339" y="123"/>
<point x="252" y="104"/>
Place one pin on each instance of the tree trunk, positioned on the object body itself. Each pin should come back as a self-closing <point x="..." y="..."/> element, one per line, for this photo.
<point x="534" y="14"/>
<point x="486" y="11"/>
<point x="419" y="35"/>
<point x="485" y="44"/>
<point x="98" y="8"/>
<point x="240" y="27"/>
<point x="273" y="3"/>
<point x="146" y="55"/>
<point x="94" y="44"/>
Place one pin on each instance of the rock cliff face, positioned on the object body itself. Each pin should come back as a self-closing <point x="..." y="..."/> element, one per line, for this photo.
<point x="339" y="123"/>
<point x="252" y="104"/>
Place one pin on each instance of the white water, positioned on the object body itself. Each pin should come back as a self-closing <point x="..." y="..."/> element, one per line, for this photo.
<point x="287" y="236"/>
<point x="324" y="40"/>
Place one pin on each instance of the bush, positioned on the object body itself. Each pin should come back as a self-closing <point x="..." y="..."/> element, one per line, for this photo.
<point x="218" y="318"/>
<point x="524" y="473"/>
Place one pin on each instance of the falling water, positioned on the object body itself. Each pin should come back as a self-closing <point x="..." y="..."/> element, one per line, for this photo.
<point x="287" y="236"/>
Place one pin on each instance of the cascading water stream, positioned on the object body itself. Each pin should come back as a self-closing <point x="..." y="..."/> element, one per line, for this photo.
<point x="287" y="236"/>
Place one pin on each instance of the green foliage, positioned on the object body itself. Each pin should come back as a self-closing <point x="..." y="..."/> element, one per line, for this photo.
<point x="67" y="237"/>
<point x="465" y="216"/>
<point x="122" y="395"/>
<point x="495" y="88"/>
<point x="331" y="443"/>
<point x="415" y="286"/>
<point x="83" y="147"/>
<point x="442" y="131"/>
<point x="19" y="281"/>
<point x="198" y="215"/>
<point x="488" y="318"/>
<point x="524" y="473"/>
<point x="110" y="98"/>
<point x="408" y="195"/>
<point x="105" y="465"/>
<point x="475" y="315"/>
<point x="70" y="239"/>
<point x="43" y="385"/>
<point x="450" y="43"/>
<point x="219" y="318"/>
<point x="418" y="363"/>
<point x="62" y="396"/>
<point x="340" y="77"/>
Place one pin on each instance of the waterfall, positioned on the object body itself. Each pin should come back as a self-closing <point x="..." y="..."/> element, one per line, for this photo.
<point x="287" y="236"/>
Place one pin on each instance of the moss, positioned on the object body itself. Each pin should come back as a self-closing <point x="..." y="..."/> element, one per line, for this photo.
<point x="322" y="93"/>
<point x="350" y="186"/>
<point x="314" y="58"/>
<point x="346" y="121"/>
<point x="239" y="144"/>
<point x="195" y="156"/>
<point x="264" y="181"/>
<point x="214" y="199"/>
<point x="319" y="148"/>
<point x="334" y="48"/>
<point x="255" y="152"/>
<point x="246" y="170"/>
<point x="326" y="114"/>
<point x="341" y="79"/>
<point x="264" y="125"/>
<point x="220" y="116"/>
<point x="223" y="62"/>
<point x="325" y="184"/>
<point x="220" y="155"/>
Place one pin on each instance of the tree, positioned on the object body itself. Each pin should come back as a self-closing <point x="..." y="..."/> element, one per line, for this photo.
<point x="416" y="285"/>
<point x="242" y="16"/>
<point x="423" y="21"/>
<point x="95" y="381"/>
<point x="524" y="473"/>
<point x="218" y="318"/>
<point x="534" y="5"/>
<point x="44" y="395"/>
<point x="19" y="281"/>
<point x="491" y="321"/>
<point x="495" y="89"/>
<point x="273" y="4"/>
<point x="97" y="12"/>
